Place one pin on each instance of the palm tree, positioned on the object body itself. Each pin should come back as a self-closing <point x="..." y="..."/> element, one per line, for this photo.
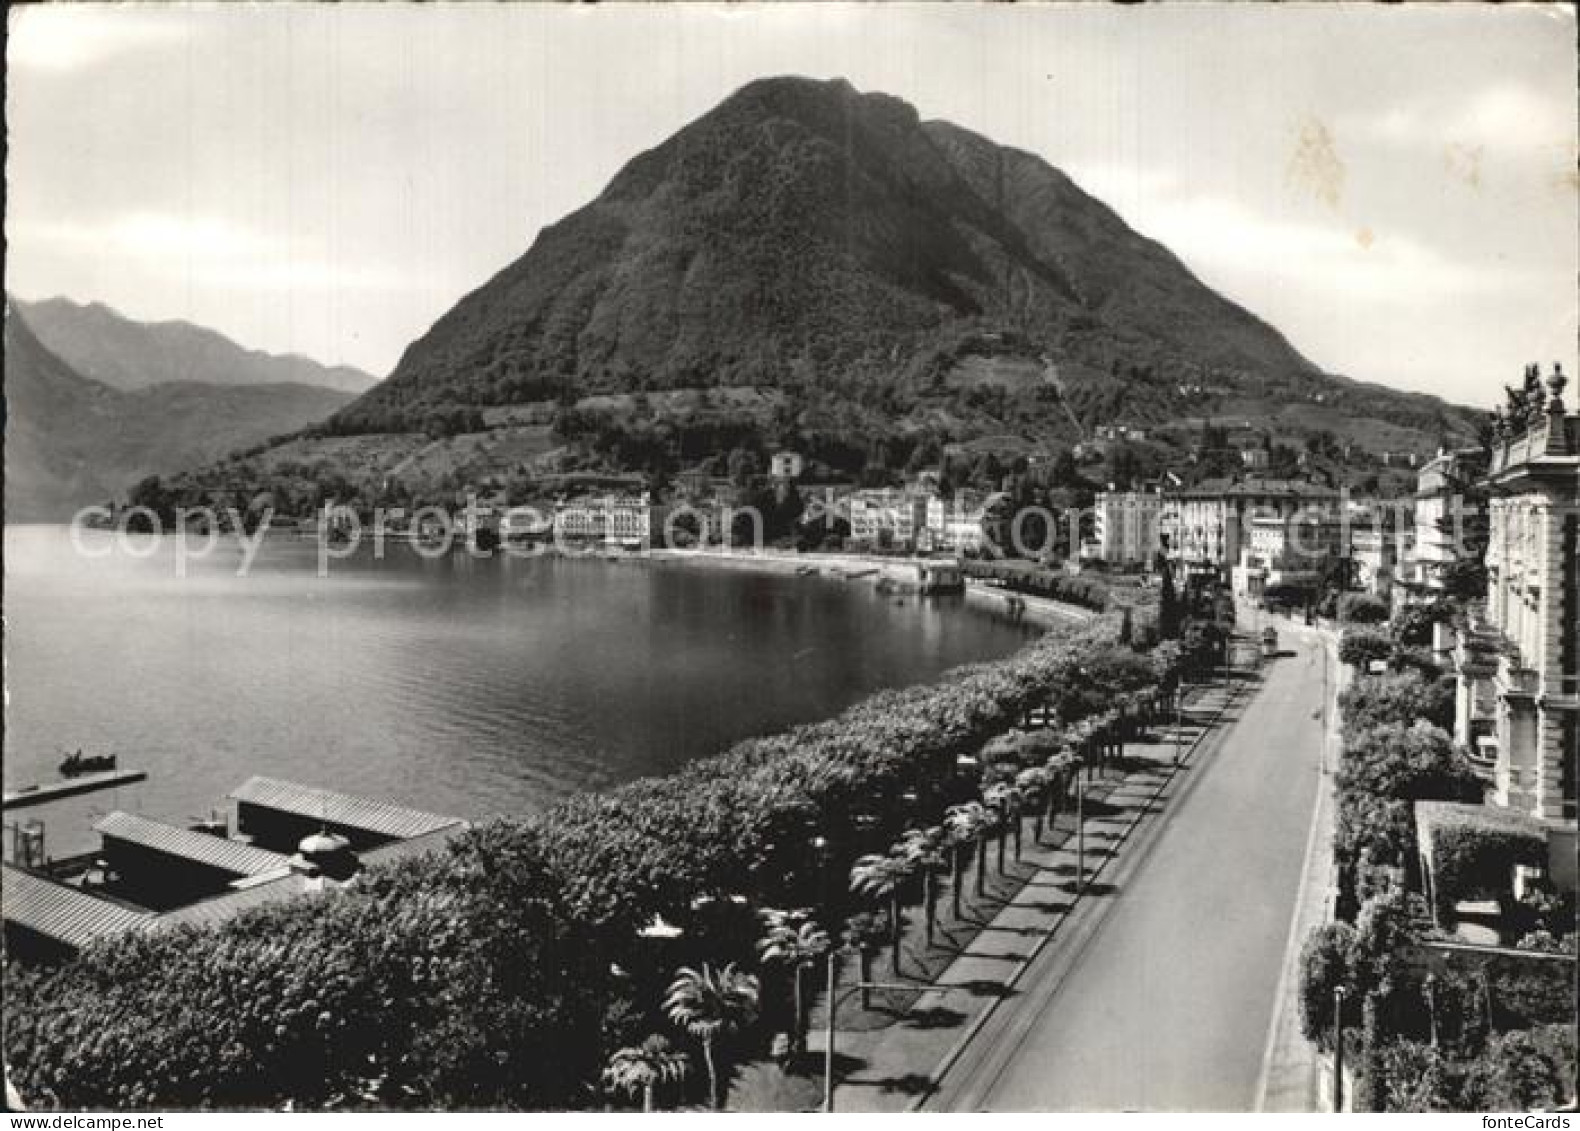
<point x="1035" y="783"/>
<point x="969" y="824"/>
<point x="708" y="1003"/>
<point x="642" y="1068"/>
<point x="924" y="850"/>
<point x="795" y="941"/>
<point x="883" y="878"/>
<point x="1003" y="802"/>
<point x="865" y="934"/>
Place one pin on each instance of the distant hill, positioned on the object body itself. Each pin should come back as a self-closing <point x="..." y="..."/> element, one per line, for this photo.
<point x="807" y="237"/>
<point x="71" y="441"/>
<point x="103" y="344"/>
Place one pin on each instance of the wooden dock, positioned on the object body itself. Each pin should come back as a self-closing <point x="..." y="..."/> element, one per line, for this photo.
<point x="71" y="787"/>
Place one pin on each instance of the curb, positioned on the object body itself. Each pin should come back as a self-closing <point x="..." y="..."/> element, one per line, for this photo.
<point x="1082" y="932"/>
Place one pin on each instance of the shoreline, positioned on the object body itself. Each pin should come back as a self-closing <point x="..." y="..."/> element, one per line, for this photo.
<point x="869" y="569"/>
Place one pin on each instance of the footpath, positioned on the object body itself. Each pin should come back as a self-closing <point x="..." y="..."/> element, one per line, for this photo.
<point x="1289" y="1074"/>
<point x="1047" y="901"/>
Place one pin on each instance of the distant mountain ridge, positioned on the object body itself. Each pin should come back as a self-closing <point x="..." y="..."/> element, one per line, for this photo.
<point x="805" y="236"/>
<point x="101" y="343"/>
<point x="71" y="441"/>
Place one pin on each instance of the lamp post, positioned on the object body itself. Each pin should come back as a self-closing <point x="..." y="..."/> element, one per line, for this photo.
<point x="1080" y="837"/>
<point x="1179" y="722"/>
<point x="821" y="849"/>
<point x="1430" y="986"/>
<point x="835" y="996"/>
<point x="1338" y="1049"/>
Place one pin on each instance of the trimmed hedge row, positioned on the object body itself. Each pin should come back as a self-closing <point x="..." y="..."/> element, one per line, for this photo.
<point x="504" y="970"/>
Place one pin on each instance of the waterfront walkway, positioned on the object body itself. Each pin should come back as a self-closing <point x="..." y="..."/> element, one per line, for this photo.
<point x="894" y="1060"/>
<point x="1163" y="996"/>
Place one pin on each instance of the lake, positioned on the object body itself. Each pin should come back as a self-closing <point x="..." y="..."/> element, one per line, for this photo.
<point x="461" y="685"/>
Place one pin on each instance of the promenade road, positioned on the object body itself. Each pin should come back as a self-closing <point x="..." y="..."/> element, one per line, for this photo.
<point x="1168" y="1005"/>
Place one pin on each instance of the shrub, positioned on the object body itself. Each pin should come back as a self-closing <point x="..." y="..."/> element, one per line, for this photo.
<point x="1360" y="646"/>
<point x="1385" y="770"/>
<point x="1397" y="697"/>
<point x="481" y="976"/>
<point x="1362" y="608"/>
<point x="1473" y="856"/>
<point x="1324" y="966"/>
<point x="1523" y="1071"/>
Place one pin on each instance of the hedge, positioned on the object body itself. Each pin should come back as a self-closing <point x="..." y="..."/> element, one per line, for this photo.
<point x="1360" y="646"/>
<point x="1473" y="855"/>
<point x="486" y="974"/>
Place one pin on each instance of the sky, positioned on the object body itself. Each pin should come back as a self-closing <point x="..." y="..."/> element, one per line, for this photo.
<point x="1394" y="188"/>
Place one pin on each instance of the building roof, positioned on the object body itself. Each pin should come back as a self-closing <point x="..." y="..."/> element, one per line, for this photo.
<point x="1257" y="489"/>
<point x="63" y="913"/>
<point x="223" y="908"/>
<point x="341" y="809"/>
<point x="202" y="848"/>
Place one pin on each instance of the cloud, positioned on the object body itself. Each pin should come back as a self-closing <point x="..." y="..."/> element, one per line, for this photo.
<point x="1506" y="117"/>
<point x="206" y="250"/>
<point x="67" y="37"/>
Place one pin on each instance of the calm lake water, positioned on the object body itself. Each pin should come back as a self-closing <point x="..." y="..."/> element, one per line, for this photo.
<point x="459" y="685"/>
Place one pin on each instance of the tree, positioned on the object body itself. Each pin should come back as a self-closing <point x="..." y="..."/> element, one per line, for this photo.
<point x="970" y="825"/>
<point x="1035" y="783"/>
<point x="882" y="878"/>
<point x="708" y="1004"/>
<point x="1360" y="646"/>
<point x="865" y="933"/>
<point x="1324" y="967"/>
<point x="1004" y="801"/>
<point x="642" y="1068"/>
<point x="795" y="941"/>
<point x="924" y="850"/>
<point x="965" y="826"/>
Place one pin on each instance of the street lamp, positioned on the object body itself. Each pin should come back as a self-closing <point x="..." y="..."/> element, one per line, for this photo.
<point x="1338" y="1049"/>
<point x="835" y="996"/>
<point x="1431" y="1005"/>
<point x="1080" y="837"/>
<point x="1179" y="721"/>
<point x="822" y="849"/>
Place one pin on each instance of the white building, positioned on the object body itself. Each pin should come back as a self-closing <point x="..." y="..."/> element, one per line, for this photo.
<point x="954" y="524"/>
<point x="887" y="518"/>
<point x="1125" y="527"/>
<point x="786" y="465"/>
<point x="631" y="521"/>
<point x="1443" y="517"/>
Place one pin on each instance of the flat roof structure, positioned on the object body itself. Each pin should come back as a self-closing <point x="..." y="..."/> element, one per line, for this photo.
<point x="63" y="914"/>
<point x="378" y="818"/>
<point x="211" y="851"/>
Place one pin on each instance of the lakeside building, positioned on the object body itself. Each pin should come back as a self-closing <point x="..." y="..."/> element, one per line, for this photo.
<point x="1125" y="527"/>
<point x="1376" y="557"/>
<point x="954" y="525"/>
<point x="1205" y="530"/>
<point x="629" y="521"/>
<point x="283" y="840"/>
<point x="1518" y="664"/>
<point x="786" y="465"/>
<point x="1445" y="518"/>
<point x="887" y="518"/>
<point x="1285" y="551"/>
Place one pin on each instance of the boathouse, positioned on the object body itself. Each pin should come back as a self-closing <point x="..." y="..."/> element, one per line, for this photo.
<point x="162" y="866"/>
<point x="277" y="815"/>
<point x="47" y="921"/>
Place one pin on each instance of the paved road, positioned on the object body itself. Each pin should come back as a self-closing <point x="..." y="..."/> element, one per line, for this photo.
<point x="1168" y="1006"/>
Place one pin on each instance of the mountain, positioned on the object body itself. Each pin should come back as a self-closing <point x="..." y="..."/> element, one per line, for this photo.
<point x="105" y="345"/>
<point x="830" y="245"/>
<point x="71" y="441"/>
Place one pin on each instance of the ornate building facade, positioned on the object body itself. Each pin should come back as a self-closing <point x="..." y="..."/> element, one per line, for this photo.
<point x="1519" y="670"/>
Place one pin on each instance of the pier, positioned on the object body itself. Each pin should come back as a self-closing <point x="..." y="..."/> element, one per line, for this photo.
<point x="71" y="787"/>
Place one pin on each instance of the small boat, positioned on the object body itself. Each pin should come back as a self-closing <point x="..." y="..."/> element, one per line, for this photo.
<point x="77" y="764"/>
